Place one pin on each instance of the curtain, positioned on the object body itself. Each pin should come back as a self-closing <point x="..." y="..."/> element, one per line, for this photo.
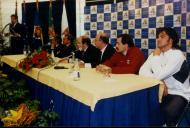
<point x="57" y="13"/>
<point x="71" y="15"/>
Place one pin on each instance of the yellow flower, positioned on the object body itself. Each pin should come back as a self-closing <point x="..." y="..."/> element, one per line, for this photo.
<point x="4" y="75"/>
<point x="15" y="116"/>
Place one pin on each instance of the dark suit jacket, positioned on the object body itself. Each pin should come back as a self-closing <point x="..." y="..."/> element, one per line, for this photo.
<point x="36" y="43"/>
<point x="18" y="28"/>
<point x="17" y="43"/>
<point x="63" y="50"/>
<point x="108" y="53"/>
<point x="91" y="55"/>
<point x="79" y="54"/>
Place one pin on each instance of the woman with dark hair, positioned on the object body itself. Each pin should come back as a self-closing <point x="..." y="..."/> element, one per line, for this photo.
<point x="37" y="39"/>
<point x="168" y="63"/>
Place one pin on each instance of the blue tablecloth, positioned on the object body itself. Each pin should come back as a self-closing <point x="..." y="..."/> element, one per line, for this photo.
<point x="140" y="108"/>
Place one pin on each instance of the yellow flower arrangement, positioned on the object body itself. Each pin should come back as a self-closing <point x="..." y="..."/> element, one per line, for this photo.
<point x="21" y="117"/>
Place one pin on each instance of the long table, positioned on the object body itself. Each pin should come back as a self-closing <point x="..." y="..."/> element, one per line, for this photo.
<point x="122" y="100"/>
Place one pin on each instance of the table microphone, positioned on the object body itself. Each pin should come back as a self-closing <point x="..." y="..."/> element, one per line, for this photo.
<point x="60" y="67"/>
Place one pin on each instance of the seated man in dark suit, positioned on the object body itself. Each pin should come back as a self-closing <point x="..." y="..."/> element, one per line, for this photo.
<point x="102" y="43"/>
<point x="79" y="51"/>
<point x="65" y="49"/>
<point x="88" y="53"/>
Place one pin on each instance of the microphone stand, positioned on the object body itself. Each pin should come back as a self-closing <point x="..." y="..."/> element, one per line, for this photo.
<point x="2" y="32"/>
<point x="3" y="43"/>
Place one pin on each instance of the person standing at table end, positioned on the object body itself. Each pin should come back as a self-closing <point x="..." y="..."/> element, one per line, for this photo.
<point x="17" y="33"/>
<point x="127" y="59"/>
<point x="168" y="63"/>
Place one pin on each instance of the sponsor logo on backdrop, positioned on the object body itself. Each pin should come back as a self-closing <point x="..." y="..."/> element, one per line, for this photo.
<point x="168" y="9"/>
<point x="152" y="11"/>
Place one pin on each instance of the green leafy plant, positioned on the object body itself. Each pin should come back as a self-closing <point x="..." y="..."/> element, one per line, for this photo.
<point x="4" y="49"/>
<point x="33" y="104"/>
<point x="13" y="93"/>
<point x="2" y="45"/>
<point x="46" y="118"/>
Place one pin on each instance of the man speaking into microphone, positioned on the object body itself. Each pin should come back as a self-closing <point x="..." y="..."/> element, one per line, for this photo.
<point x="17" y="32"/>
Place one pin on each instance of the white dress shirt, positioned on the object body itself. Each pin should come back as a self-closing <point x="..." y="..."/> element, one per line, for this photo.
<point x="171" y="67"/>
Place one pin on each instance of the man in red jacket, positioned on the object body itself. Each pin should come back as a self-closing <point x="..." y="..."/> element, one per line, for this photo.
<point x="127" y="59"/>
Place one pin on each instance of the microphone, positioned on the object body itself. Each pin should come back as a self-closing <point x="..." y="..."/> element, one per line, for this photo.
<point x="69" y="56"/>
<point x="72" y="55"/>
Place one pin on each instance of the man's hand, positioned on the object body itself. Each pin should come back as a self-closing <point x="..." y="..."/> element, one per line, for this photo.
<point x="104" y="69"/>
<point x="17" y="35"/>
<point x="165" y="93"/>
<point x="81" y="64"/>
<point x="63" y="61"/>
<point x="99" y="68"/>
<point x="157" y="52"/>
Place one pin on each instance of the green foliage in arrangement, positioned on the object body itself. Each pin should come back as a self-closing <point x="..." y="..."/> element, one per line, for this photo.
<point x="13" y="94"/>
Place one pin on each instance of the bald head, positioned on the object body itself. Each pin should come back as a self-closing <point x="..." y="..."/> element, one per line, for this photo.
<point x="102" y="39"/>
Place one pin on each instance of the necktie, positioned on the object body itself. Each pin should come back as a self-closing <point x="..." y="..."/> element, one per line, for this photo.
<point x="101" y="55"/>
<point x="83" y="55"/>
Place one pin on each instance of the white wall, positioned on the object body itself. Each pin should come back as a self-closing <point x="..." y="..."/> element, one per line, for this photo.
<point x="7" y="7"/>
<point x="0" y="17"/>
<point x="80" y="17"/>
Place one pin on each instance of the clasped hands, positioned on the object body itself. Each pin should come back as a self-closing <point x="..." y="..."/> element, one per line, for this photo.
<point x="81" y="63"/>
<point x="16" y="35"/>
<point x="104" y="70"/>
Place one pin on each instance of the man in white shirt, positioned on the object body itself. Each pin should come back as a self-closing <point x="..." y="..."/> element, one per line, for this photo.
<point x="168" y="63"/>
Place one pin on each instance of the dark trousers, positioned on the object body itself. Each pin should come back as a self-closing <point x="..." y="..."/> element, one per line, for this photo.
<point x="172" y="107"/>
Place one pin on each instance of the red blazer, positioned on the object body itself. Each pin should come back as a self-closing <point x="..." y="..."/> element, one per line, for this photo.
<point x="130" y="63"/>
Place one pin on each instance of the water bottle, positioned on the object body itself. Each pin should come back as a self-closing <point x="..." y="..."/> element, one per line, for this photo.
<point x="53" y="56"/>
<point x="76" y="72"/>
<point x="73" y="57"/>
<point x="24" y="50"/>
<point x="28" y="50"/>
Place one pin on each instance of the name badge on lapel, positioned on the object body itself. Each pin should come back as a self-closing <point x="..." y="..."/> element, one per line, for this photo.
<point x="128" y="61"/>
